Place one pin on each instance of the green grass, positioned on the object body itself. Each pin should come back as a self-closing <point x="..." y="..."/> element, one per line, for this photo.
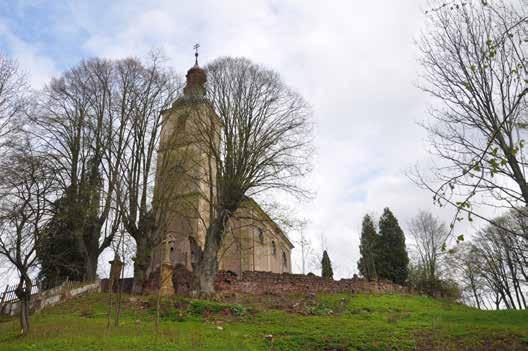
<point x="327" y="322"/>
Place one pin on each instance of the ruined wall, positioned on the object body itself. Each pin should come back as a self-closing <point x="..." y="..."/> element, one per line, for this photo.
<point x="272" y="283"/>
<point x="261" y="283"/>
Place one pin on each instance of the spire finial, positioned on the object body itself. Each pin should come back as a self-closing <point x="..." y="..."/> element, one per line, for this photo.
<point x="195" y="47"/>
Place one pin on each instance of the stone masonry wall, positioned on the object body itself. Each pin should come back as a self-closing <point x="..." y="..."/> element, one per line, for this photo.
<point x="50" y="297"/>
<point x="259" y="283"/>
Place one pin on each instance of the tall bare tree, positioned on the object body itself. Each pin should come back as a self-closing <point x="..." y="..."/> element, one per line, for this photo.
<point x="464" y="266"/>
<point x="81" y="124"/>
<point x="475" y="66"/>
<point x="502" y="254"/>
<point x="26" y="187"/>
<point x="260" y="143"/>
<point x="13" y="92"/>
<point x="430" y="240"/>
<point x="149" y="88"/>
<point x="492" y="267"/>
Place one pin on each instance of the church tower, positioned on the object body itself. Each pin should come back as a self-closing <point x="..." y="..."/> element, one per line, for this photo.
<point x="185" y="176"/>
<point x="185" y="185"/>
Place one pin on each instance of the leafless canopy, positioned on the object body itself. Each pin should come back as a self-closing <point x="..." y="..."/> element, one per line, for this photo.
<point x="430" y="238"/>
<point x="13" y="90"/>
<point x="26" y="185"/>
<point x="262" y="143"/>
<point x="475" y="66"/>
<point x="265" y="140"/>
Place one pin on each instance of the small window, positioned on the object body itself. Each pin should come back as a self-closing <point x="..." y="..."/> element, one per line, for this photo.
<point x="284" y="259"/>
<point x="260" y="235"/>
<point x="273" y="248"/>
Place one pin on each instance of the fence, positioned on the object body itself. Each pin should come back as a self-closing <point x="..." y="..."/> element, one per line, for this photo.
<point x="9" y="293"/>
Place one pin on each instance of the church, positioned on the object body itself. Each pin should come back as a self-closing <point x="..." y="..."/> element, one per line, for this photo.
<point x="185" y="186"/>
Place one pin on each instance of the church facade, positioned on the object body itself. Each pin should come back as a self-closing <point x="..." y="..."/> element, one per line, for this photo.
<point x="186" y="183"/>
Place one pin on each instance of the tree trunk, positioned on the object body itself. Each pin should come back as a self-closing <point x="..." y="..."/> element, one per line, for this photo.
<point x="141" y="263"/>
<point x="90" y="274"/>
<point x="204" y="273"/>
<point x="23" y="292"/>
<point x="24" y="314"/>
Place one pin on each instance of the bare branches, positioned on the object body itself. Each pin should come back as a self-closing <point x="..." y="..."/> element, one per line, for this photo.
<point x="256" y="139"/>
<point x="13" y="92"/>
<point x="26" y="187"/>
<point x="430" y="239"/>
<point x="474" y="64"/>
<point x="265" y="140"/>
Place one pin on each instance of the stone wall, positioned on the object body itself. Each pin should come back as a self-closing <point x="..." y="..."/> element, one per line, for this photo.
<point x="272" y="283"/>
<point x="51" y="297"/>
<point x="260" y="283"/>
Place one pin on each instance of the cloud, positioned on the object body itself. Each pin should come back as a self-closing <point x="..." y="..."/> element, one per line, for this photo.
<point x="355" y="63"/>
<point x="37" y="66"/>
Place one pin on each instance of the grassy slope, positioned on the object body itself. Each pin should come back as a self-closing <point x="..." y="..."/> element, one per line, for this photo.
<point x="328" y="322"/>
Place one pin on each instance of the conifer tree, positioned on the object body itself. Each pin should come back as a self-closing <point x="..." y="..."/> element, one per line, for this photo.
<point x="326" y="265"/>
<point x="391" y="254"/>
<point x="367" y="260"/>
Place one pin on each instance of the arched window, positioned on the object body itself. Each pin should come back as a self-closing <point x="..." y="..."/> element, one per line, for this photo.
<point x="284" y="259"/>
<point x="260" y="235"/>
<point x="273" y="248"/>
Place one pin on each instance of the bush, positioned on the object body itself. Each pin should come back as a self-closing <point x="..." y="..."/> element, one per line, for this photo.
<point x="435" y="287"/>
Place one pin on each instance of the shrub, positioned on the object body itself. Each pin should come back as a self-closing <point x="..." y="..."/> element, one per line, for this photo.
<point x="435" y="287"/>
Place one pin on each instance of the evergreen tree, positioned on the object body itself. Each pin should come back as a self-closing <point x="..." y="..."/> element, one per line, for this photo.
<point x="391" y="254"/>
<point x="327" y="271"/>
<point x="367" y="261"/>
<point x="58" y="252"/>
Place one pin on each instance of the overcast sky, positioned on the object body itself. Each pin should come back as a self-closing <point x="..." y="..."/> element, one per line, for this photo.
<point x="353" y="61"/>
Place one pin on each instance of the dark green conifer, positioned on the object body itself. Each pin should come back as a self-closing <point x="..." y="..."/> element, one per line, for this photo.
<point x="392" y="259"/>
<point x="367" y="260"/>
<point x="326" y="265"/>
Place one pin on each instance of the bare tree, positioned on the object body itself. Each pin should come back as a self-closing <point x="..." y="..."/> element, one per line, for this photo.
<point x="148" y="89"/>
<point x="430" y="240"/>
<point x="474" y="61"/>
<point x="492" y="268"/>
<point x="464" y="266"/>
<point x="26" y="186"/>
<point x="259" y="143"/>
<point x="501" y="266"/>
<point x="13" y="89"/>
<point x="81" y="125"/>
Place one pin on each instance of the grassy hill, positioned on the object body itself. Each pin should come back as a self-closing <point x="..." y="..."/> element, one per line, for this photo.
<point x="323" y="322"/>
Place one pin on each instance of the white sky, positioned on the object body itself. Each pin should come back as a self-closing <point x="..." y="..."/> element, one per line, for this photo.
<point x="353" y="61"/>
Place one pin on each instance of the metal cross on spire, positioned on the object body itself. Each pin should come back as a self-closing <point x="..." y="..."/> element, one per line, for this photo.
<point x="195" y="47"/>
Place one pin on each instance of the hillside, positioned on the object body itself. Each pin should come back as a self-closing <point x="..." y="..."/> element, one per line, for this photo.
<point x="322" y="322"/>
